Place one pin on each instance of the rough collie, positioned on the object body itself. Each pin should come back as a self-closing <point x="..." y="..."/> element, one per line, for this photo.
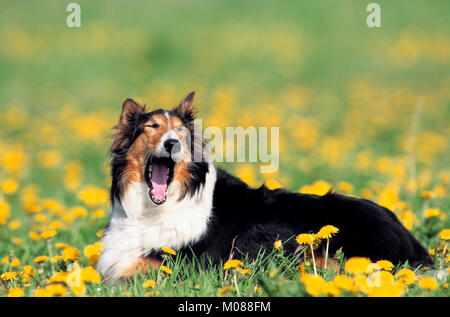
<point x="161" y="197"/>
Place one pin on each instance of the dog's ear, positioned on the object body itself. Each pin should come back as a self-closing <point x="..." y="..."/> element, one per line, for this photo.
<point x="123" y="132"/>
<point x="129" y="111"/>
<point x="186" y="108"/>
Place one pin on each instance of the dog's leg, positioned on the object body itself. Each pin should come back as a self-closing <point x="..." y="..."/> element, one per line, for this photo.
<point x="141" y="265"/>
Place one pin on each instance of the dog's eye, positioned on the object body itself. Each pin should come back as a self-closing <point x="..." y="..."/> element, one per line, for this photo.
<point x="154" y="125"/>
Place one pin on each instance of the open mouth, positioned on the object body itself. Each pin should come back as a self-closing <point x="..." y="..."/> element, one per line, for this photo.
<point x="158" y="175"/>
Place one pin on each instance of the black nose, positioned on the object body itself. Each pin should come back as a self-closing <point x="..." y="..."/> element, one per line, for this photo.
<point x="172" y="145"/>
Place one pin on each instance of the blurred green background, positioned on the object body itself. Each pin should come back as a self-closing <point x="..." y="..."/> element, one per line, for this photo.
<point x="345" y="96"/>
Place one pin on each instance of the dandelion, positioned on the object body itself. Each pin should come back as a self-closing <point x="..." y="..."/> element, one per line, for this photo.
<point x="388" y="290"/>
<point x="315" y="284"/>
<point x="327" y="232"/>
<point x="4" y="211"/>
<point x="9" y="276"/>
<point x="41" y="258"/>
<point x="16" y="292"/>
<point x="34" y="236"/>
<point x="224" y="290"/>
<point x="149" y="284"/>
<point x="92" y="252"/>
<point x="14" y="263"/>
<point x="405" y="276"/>
<point x="165" y="269"/>
<point x="14" y="224"/>
<point x="90" y="275"/>
<point x="56" y="289"/>
<point x="47" y="234"/>
<point x="278" y="245"/>
<point x="232" y="264"/>
<point x="357" y="265"/>
<point x="41" y="292"/>
<point x="243" y="271"/>
<point x="9" y="186"/>
<point x="168" y="250"/>
<point x="426" y="194"/>
<point x="344" y="282"/>
<point x="93" y="196"/>
<point x="432" y="212"/>
<point x="385" y="265"/>
<point x="308" y="239"/>
<point x="444" y="234"/>
<point x="428" y="283"/>
<point x="28" y="269"/>
<point x="70" y="254"/>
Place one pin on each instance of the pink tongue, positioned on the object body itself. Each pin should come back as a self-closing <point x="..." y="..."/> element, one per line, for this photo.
<point x="159" y="181"/>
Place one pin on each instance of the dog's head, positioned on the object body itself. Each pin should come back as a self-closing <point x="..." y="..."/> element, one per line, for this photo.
<point x="157" y="147"/>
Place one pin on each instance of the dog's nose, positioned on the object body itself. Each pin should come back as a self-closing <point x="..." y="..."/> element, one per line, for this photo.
<point x="172" y="145"/>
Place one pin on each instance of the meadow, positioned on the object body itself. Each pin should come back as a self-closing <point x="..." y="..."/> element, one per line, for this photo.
<point x="364" y="111"/>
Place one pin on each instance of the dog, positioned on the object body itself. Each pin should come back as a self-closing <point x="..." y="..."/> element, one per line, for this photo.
<point x="161" y="197"/>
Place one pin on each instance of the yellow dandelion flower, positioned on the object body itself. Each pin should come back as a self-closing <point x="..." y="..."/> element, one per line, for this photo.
<point x="305" y="238"/>
<point x="70" y="254"/>
<point x="78" y="212"/>
<point x="385" y="265"/>
<point x="432" y="212"/>
<point x="315" y="284"/>
<point x="318" y="188"/>
<point x="243" y="271"/>
<point x="344" y="282"/>
<point x="428" y="283"/>
<point x="357" y="265"/>
<point x="388" y="290"/>
<point x="47" y="234"/>
<point x="4" y="211"/>
<point x="426" y="194"/>
<point x="40" y="259"/>
<point x="9" y="276"/>
<point x="15" y="262"/>
<point x="90" y="275"/>
<point x="41" y="292"/>
<point x="16" y="292"/>
<point x="444" y="234"/>
<point x="28" y="269"/>
<point x="345" y="187"/>
<point x="17" y="241"/>
<point x="59" y="277"/>
<point x="327" y="232"/>
<point x="149" y="284"/>
<point x="405" y="276"/>
<point x="34" y="236"/>
<point x="93" y="196"/>
<point x="232" y="264"/>
<point x="224" y="290"/>
<point x="332" y="289"/>
<point x="14" y="224"/>
<point x="165" y="269"/>
<point x="9" y="186"/>
<point x="98" y="213"/>
<point x="56" y="289"/>
<point x="278" y="245"/>
<point x="169" y="250"/>
<point x="92" y="252"/>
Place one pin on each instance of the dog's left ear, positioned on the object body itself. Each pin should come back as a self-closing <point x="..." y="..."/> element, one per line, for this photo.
<point x="186" y="108"/>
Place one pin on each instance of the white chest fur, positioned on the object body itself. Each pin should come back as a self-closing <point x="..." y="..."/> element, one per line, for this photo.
<point x="138" y="226"/>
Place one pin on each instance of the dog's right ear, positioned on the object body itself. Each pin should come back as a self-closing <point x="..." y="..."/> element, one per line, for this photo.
<point x="129" y="111"/>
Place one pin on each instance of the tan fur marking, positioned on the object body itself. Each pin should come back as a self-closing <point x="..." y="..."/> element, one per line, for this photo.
<point x="142" y="265"/>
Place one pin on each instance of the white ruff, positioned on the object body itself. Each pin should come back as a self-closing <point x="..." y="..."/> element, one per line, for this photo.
<point x="138" y="226"/>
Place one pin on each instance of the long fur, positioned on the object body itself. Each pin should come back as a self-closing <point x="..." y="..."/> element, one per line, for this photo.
<point x="213" y="213"/>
